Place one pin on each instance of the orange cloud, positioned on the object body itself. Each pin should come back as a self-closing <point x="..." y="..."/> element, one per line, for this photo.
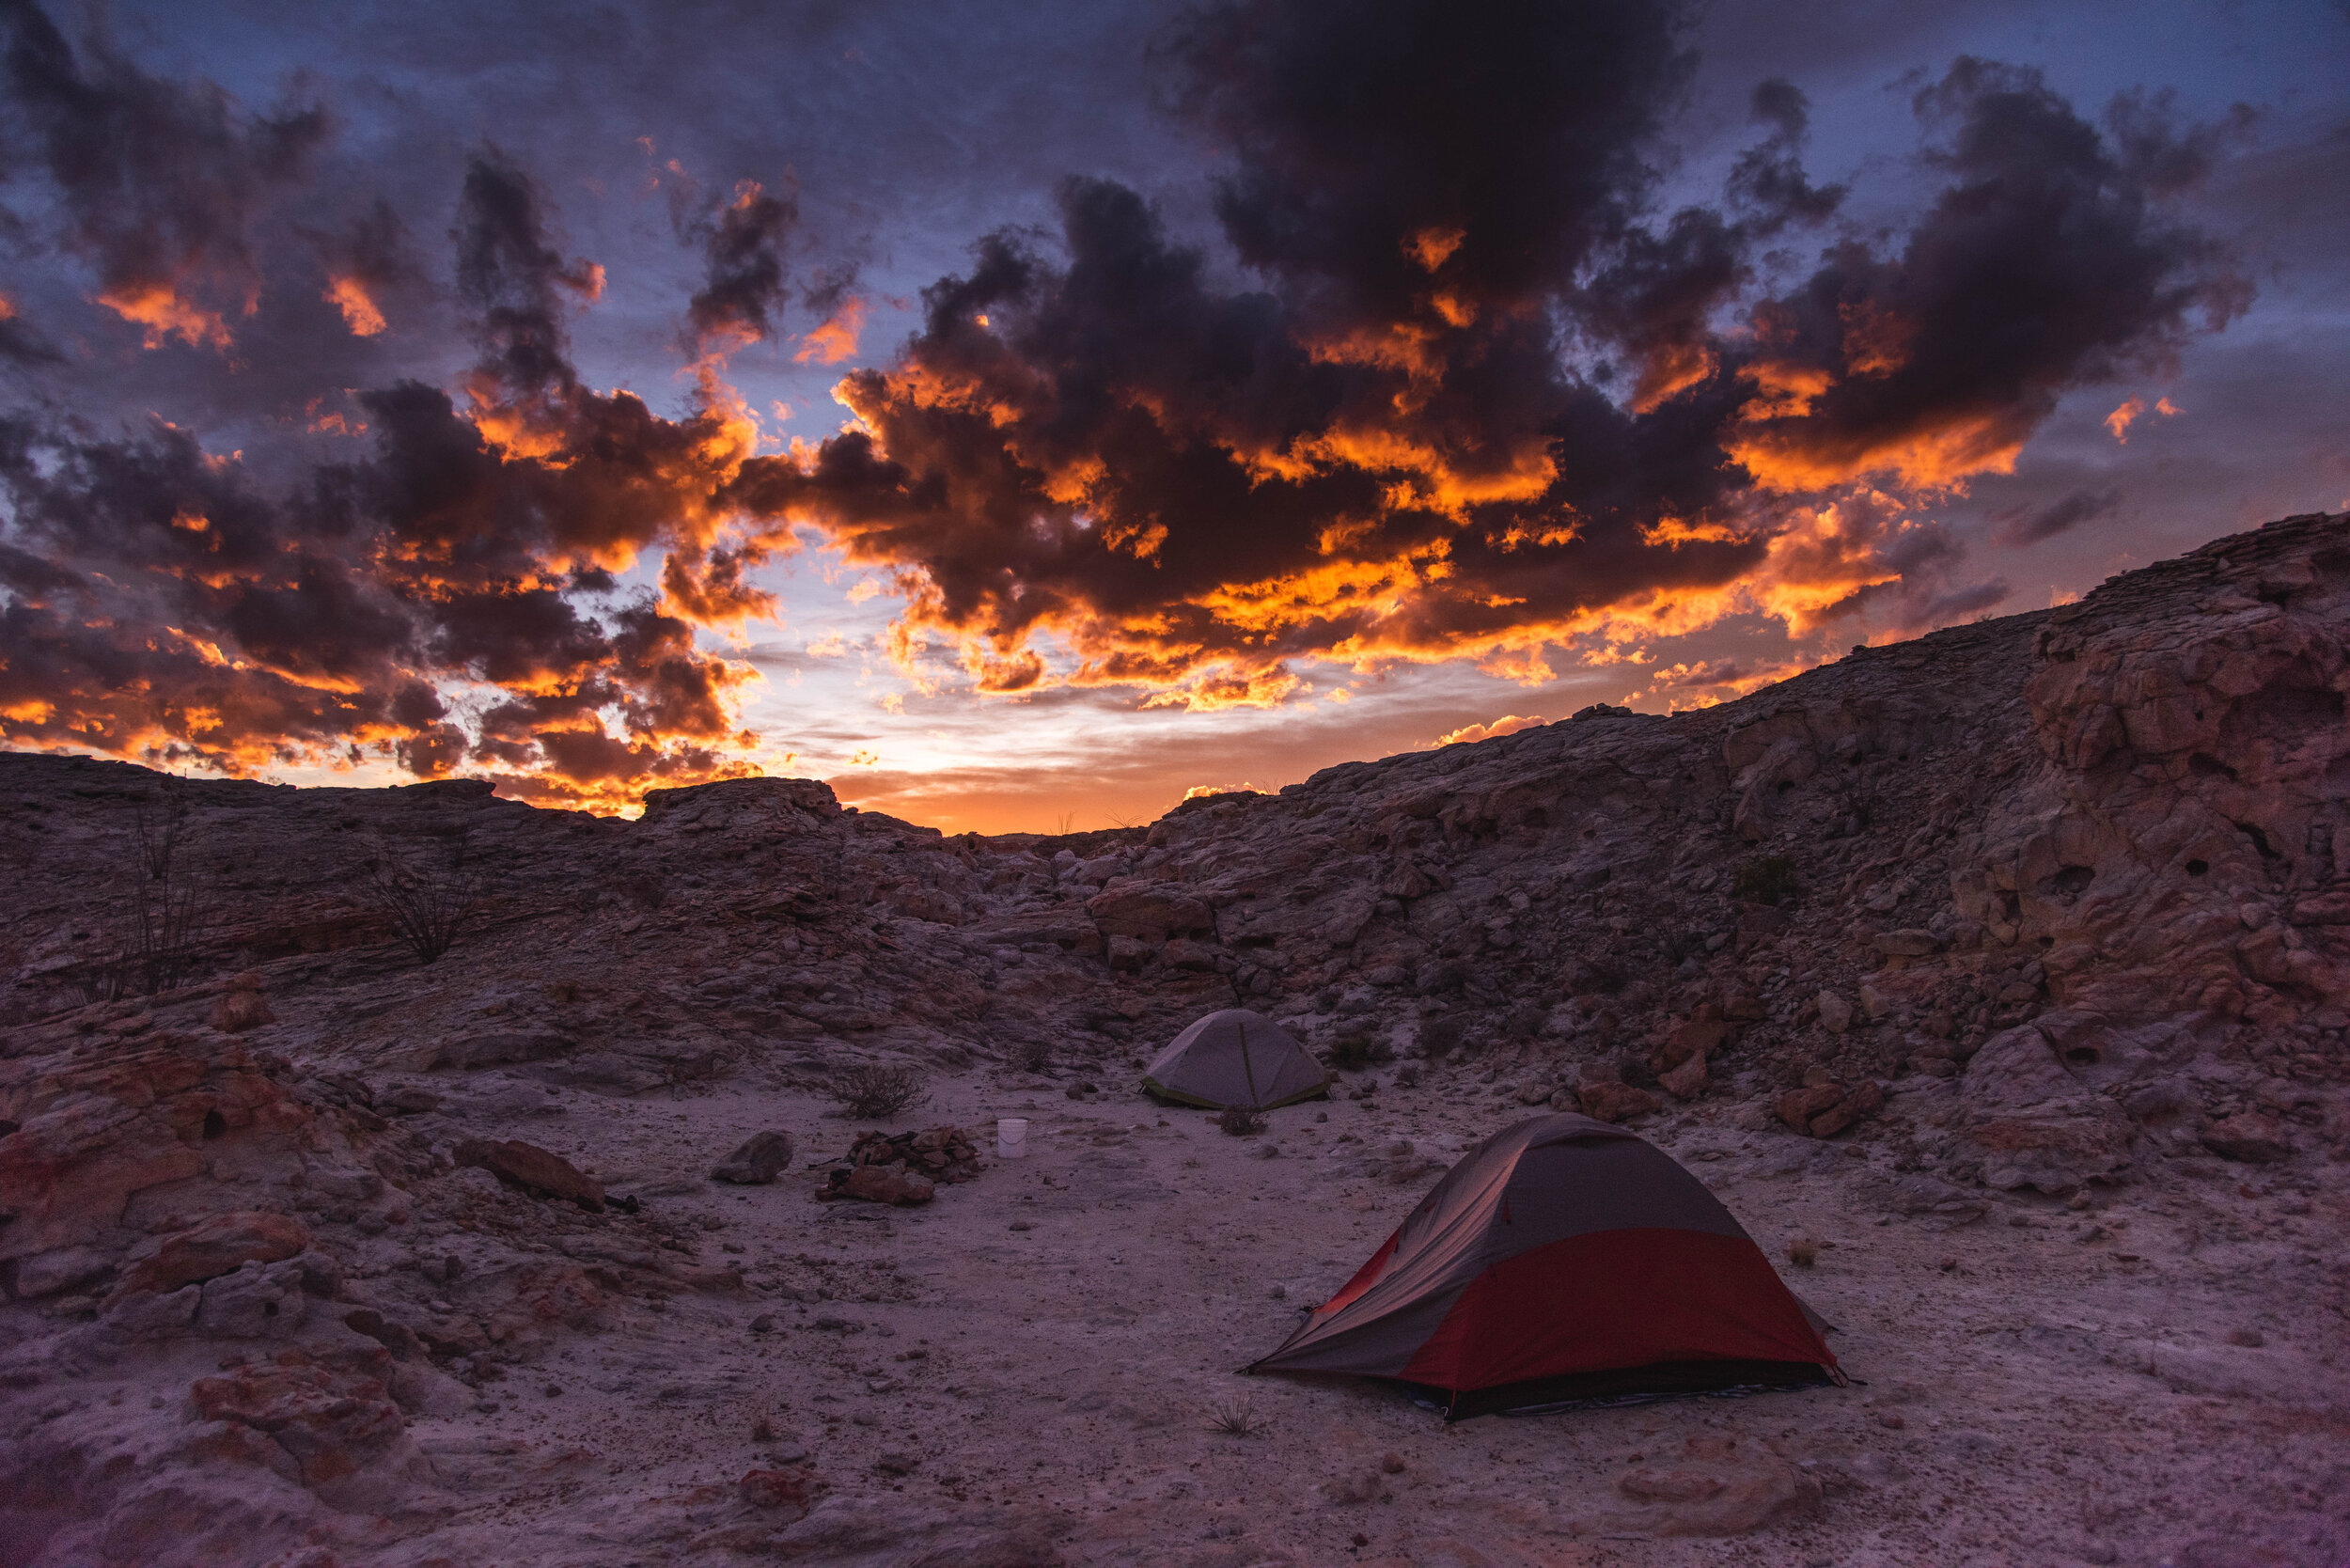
<point x="360" y="313"/>
<point x="837" y="339"/>
<point x="160" y="309"/>
<point x="1508" y="724"/>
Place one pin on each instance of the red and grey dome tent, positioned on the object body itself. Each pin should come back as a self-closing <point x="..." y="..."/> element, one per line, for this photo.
<point x="1565" y="1258"/>
<point x="1237" y="1058"/>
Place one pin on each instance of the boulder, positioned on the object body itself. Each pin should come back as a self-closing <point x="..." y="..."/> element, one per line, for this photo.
<point x="1907" y="944"/>
<point x="2032" y="1122"/>
<point x="1614" y="1101"/>
<point x="879" y="1184"/>
<point x="526" y="1167"/>
<point x="330" y="1420"/>
<point x="2249" y="1136"/>
<point x="1825" y="1109"/>
<point x="1835" y="1012"/>
<point x="1687" y="1081"/>
<point x="762" y="1159"/>
<point x="1698" y="1036"/>
<point x="1148" y="914"/>
<point x="219" y="1245"/>
<point x="96" y="1130"/>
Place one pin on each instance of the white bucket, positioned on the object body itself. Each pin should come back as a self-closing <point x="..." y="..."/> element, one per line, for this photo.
<point x="1011" y="1137"/>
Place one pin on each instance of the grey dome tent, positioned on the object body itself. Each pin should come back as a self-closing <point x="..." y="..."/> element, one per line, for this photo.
<point x="1235" y="1058"/>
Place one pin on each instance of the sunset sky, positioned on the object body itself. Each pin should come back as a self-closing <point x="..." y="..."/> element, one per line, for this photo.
<point x="1018" y="416"/>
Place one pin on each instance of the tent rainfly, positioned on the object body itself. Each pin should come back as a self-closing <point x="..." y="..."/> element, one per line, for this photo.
<point x="1565" y="1258"/>
<point x="1232" y="1058"/>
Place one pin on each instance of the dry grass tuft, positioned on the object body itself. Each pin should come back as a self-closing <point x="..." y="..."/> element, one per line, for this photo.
<point x="1234" y="1416"/>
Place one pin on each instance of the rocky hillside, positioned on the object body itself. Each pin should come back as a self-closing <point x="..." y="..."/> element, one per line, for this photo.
<point x="2047" y="905"/>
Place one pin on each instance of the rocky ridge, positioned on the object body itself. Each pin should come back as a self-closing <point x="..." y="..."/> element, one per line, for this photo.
<point x="2038" y="911"/>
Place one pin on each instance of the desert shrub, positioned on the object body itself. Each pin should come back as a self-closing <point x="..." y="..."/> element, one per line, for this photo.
<point x="427" y="905"/>
<point x="1240" y="1121"/>
<point x="142" y="937"/>
<point x="1357" y="1049"/>
<point x="872" y="1093"/>
<point x="1764" y="878"/>
<point x="1033" y="1055"/>
<point x="1803" y="1251"/>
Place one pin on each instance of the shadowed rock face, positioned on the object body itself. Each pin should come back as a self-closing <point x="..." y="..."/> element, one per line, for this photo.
<point x="2031" y="906"/>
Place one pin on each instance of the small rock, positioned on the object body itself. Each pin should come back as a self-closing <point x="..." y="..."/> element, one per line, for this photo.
<point x="1606" y="1102"/>
<point x="1908" y="944"/>
<point x="764" y="1324"/>
<point x="2250" y="1339"/>
<point x="758" y="1162"/>
<point x="1687" y="1081"/>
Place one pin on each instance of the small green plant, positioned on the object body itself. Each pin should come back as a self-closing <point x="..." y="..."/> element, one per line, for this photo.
<point x="1766" y="879"/>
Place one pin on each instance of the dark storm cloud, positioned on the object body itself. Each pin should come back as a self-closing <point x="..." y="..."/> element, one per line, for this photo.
<point x="157" y="181"/>
<point x="2030" y="525"/>
<point x="742" y="248"/>
<point x="1383" y="145"/>
<point x="1768" y="179"/>
<point x="22" y="344"/>
<point x="2043" y="264"/>
<point x="515" y="279"/>
<point x="1393" y="450"/>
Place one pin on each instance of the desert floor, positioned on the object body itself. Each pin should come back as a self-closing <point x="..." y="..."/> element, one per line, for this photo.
<point x="1042" y="1354"/>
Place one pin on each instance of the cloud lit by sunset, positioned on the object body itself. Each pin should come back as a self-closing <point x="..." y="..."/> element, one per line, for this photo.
<point x="1590" y="350"/>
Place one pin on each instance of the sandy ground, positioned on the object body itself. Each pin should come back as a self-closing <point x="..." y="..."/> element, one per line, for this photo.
<point x="2157" y="1378"/>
